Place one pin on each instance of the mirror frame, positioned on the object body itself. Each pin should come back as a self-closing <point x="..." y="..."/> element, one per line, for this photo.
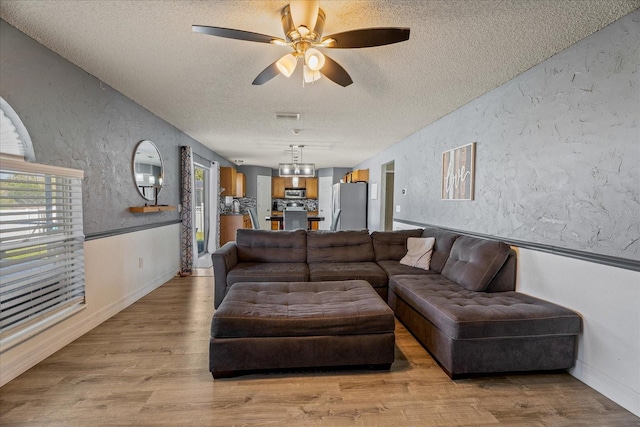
<point x="148" y="191"/>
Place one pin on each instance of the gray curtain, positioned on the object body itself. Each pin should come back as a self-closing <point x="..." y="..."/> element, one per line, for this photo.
<point x="186" y="235"/>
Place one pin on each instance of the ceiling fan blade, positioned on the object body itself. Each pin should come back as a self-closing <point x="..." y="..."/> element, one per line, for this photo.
<point x="367" y="37"/>
<point x="230" y="33"/>
<point x="267" y="74"/>
<point x="334" y="71"/>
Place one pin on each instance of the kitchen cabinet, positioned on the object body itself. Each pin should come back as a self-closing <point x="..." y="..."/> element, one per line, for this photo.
<point x="312" y="188"/>
<point x="277" y="187"/>
<point x="229" y="224"/>
<point x="291" y="182"/>
<point x="358" y="175"/>
<point x="274" y="224"/>
<point x="314" y="224"/>
<point x="241" y="185"/>
<point x="234" y="183"/>
<point x="278" y="184"/>
<point x="228" y="181"/>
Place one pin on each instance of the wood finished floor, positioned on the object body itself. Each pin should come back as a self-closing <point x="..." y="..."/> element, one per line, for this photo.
<point x="148" y="365"/>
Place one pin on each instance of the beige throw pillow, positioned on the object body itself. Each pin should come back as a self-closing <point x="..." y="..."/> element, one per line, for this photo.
<point x="419" y="250"/>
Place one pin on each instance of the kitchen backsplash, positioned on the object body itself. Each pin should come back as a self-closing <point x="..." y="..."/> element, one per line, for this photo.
<point x="245" y="204"/>
<point x="310" y="205"/>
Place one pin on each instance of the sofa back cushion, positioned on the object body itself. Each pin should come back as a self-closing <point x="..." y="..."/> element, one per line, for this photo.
<point x="441" y="248"/>
<point x="271" y="246"/>
<point x="474" y="262"/>
<point x="392" y="245"/>
<point x="339" y="246"/>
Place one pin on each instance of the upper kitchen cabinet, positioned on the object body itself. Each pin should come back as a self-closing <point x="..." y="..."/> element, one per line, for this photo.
<point x="277" y="187"/>
<point x="228" y="178"/>
<point x="295" y="182"/>
<point x="358" y="175"/>
<point x="241" y="185"/>
<point x="312" y="188"/>
<point x="232" y="182"/>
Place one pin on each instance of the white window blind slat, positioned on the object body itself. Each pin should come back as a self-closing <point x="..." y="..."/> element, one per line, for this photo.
<point x="26" y="278"/>
<point x="37" y="265"/>
<point x="17" y="243"/>
<point x="20" y="255"/>
<point x="41" y="246"/>
<point x="25" y="302"/>
<point x="24" y="285"/>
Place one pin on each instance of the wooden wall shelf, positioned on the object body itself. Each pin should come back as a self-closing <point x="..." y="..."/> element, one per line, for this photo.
<point x="149" y="209"/>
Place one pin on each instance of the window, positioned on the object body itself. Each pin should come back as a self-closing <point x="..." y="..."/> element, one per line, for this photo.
<point x="41" y="247"/>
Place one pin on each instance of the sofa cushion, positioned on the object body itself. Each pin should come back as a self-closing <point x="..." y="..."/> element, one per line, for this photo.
<point x="302" y="309"/>
<point x="271" y="246"/>
<point x="419" y="250"/>
<point x="441" y="248"/>
<point x="392" y="244"/>
<point x="463" y="314"/>
<point x="268" y="272"/>
<point x="329" y="271"/>
<point x="394" y="268"/>
<point x="474" y="262"/>
<point x="339" y="246"/>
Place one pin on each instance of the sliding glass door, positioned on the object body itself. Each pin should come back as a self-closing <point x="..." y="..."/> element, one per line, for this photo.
<point x="201" y="202"/>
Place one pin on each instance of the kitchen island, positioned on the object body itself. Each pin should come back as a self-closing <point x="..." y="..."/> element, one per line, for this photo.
<point x="279" y="219"/>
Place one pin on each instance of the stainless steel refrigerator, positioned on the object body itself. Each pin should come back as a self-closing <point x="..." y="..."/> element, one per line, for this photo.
<point x="351" y="199"/>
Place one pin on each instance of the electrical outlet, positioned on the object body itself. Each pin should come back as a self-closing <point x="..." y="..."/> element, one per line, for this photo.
<point x="397" y="208"/>
<point x="140" y="262"/>
<point x="404" y="191"/>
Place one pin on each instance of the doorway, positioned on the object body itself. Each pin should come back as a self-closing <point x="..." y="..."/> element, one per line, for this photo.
<point x="387" y="197"/>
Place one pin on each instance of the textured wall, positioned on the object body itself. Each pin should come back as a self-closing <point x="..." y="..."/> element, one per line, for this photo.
<point x="76" y="121"/>
<point x="558" y="153"/>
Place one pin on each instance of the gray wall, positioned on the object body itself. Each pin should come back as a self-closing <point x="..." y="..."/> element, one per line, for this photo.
<point x="336" y="173"/>
<point x="558" y="153"/>
<point x="76" y="121"/>
<point x="251" y="178"/>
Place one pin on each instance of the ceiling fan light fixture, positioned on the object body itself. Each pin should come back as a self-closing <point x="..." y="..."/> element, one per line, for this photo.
<point x="287" y="64"/>
<point x="310" y="76"/>
<point x="279" y="42"/>
<point x="304" y="14"/>
<point x="314" y="59"/>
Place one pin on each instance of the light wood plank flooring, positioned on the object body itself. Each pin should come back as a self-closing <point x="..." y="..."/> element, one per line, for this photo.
<point x="148" y="365"/>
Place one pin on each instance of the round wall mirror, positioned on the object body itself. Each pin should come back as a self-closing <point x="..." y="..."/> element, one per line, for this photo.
<point x="147" y="169"/>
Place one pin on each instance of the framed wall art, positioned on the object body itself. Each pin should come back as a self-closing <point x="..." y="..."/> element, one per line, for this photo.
<point x="458" y="173"/>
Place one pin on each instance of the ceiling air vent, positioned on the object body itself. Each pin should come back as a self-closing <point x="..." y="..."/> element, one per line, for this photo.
<point x="289" y="116"/>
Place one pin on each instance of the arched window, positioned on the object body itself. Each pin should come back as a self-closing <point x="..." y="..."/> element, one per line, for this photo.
<point x="14" y="138"/>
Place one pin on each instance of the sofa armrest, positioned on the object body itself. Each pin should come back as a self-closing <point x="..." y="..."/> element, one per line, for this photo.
<point x="224" y="259"/>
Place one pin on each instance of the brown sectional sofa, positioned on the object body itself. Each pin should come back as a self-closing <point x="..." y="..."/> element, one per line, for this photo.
<point x="464" y="310"/>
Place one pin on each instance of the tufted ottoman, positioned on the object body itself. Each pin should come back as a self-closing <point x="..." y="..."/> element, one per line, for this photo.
<point x="281" y="325"/>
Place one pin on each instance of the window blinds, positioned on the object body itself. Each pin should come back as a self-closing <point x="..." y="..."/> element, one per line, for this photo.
<point x="41" y="245"/>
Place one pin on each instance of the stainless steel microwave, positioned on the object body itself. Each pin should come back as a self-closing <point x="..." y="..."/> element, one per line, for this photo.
<point x="295" y="193"/>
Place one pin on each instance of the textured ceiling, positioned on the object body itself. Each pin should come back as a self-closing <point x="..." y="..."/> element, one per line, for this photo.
<point x="201" y="84"/>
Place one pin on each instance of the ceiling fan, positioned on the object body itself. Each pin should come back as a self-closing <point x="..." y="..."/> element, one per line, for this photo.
<point x="303" y="23"/>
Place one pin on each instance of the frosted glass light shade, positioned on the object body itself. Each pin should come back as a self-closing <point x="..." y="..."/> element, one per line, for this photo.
<point x="304" y="14"/>
<point x="287" y="64"/>
<point x="314" y="59"/>
<point x="310" y="76"/>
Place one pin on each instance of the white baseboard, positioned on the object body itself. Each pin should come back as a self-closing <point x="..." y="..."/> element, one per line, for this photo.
<point x="72" y="331"/>
<point x="619" y="393"/>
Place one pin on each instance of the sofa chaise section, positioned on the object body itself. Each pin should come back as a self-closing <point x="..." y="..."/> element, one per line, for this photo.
<point x="469" y="320"/>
